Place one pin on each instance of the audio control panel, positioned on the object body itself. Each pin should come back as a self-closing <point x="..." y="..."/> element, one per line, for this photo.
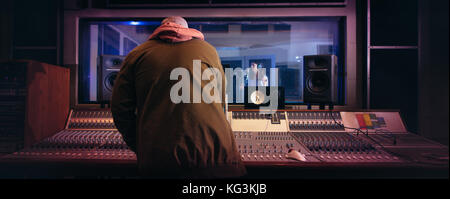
<point x="315" y="121"/>
<point x="89" y="135"/>
<point x="91" y="119"/>
<point x="268" y="147"/>
<point x="259" y="121"/>
<point x="309" y="136"/>
<point x="79" y="145"/>
<point x="342" y="147"/>
<point x="277" y="138"/>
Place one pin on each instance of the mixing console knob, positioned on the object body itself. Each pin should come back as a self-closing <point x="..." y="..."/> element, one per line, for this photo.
<point x="327" y="145"/>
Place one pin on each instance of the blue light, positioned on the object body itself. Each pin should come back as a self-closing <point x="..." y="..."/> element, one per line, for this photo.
<point x="135" y="23"/>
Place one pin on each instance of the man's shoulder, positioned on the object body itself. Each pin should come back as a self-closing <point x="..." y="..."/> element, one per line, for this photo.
<point x="196" y="42"/>
<point x="194" y="45"/>
<point x="201" y="42"/>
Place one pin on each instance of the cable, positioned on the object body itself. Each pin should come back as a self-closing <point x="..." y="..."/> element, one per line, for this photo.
<point x="389" y="134"/>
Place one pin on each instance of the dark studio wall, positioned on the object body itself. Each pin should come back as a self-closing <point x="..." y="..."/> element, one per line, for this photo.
<point x="434" y="70"/>
<point x="393" y="57"/>
<point x="5" y="27"/>
<point x="31" y="30"/>
<point x="408" y="57"/>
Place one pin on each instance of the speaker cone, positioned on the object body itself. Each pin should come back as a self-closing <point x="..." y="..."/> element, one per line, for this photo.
<point x="109" y="80"/>
<point x="317" y="82"/>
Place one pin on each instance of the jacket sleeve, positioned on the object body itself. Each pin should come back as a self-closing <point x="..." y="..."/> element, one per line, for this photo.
<point x="123" y="104"/>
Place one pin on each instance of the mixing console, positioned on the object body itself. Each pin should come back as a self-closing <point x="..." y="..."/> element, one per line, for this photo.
<point x="89" y="134"/>
<point x="79" y="144"/>
<point x="256" y="115"/>
<point x="91" y="119"/>
<point x="315" y="121"/>
<point x="342" y="147"/>
<point x="280" y="138"/>
<point x="265" y="146"/>
<point x="256" y="121"/>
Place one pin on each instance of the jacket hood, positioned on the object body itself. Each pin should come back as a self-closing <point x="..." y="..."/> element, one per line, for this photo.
<point x="173" y="32"/>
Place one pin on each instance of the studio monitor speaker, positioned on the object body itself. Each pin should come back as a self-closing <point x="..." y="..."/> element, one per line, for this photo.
<point x="320" y="79"/>
<point x="109" y="67"/>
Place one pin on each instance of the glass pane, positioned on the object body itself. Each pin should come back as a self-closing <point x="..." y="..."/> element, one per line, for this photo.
<point x="267" y="43"/>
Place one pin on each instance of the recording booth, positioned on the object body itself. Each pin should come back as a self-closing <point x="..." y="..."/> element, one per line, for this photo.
<point x="360" y="87"/>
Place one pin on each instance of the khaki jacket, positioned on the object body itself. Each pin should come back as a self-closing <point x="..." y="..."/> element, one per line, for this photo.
<point x="173" y="140"/>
